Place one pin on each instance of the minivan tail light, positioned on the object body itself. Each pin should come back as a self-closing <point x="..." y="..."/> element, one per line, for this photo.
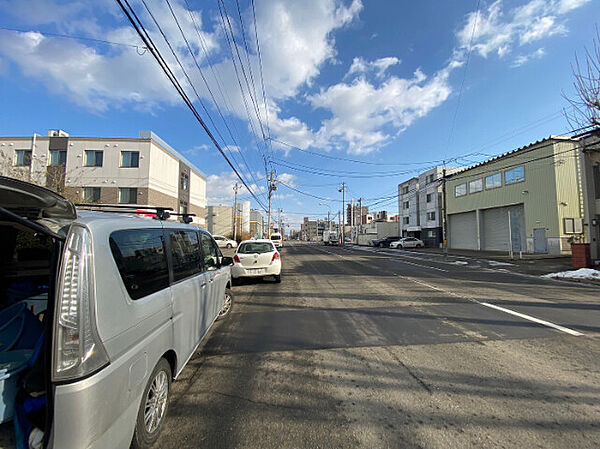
<point x="78" y="350"/>
<point x="275" y="257"/>
<point x="236" y="259"/>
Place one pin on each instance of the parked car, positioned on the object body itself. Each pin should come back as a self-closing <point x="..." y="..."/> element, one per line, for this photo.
<point x="224" y="242"/>
<point x="408" y="242"/>
<point x="384" y="242"/>
<point x="114" y="303"/>
<point x="277" y="239"/>
<point x="256" y="258"/>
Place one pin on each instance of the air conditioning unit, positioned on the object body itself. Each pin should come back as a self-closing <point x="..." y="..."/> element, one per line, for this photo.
<point x="57" y="133"/>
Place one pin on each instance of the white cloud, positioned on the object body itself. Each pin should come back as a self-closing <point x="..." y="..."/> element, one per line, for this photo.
<point x="219" y="188"/>
<point x="523" y="59"/>
<point x="361" y="111"/>
<point x="498" y="30"/>
<point x="379" y="66"/>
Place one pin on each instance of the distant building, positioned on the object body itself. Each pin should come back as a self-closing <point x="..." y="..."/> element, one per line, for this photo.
<point x="590" y="146"/>
<point x="257" y="224"/>
<point x="219" y="220"/>
<point x="528" y="199"/>
<point x="420" y="206"/>
<point x="108" y="170"/>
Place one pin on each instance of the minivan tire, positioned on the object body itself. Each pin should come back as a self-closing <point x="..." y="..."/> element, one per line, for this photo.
<point x="228" y="246"/>
<point x="227" y="305"/>
<point x="159" y="379"/>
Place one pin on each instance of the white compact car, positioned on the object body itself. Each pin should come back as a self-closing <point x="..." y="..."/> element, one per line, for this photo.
<point x="256" y="258"/>
<point x="407" y="242"/>
<point x="224" y="242"/>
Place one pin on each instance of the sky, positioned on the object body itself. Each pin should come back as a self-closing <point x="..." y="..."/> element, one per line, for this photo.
<point x="369" y="93"/>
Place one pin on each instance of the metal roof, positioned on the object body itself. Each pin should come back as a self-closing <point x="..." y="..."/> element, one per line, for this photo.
<point x="513" y="152"/>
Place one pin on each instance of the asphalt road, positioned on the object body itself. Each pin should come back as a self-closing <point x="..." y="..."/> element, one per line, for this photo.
<point x="363" y="349"/>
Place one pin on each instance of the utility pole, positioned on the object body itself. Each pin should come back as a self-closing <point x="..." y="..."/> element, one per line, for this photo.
<point x="343" y="190"/>
<point x="272" y="187"/>
<point x="328" y="221"/>
<point x="360" y="215"/>
<point x="444" y="215"/>
<point x="235" y="211"/>
<point x="279" y="220"/>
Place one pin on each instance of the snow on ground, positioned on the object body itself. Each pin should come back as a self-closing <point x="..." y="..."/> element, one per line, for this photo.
<point x="582" y="273"/>
<point x="459" y="262"/>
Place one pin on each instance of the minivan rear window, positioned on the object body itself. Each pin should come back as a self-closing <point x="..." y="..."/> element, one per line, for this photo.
<point x="256" y="247"/>
<point x="141" y="260"/>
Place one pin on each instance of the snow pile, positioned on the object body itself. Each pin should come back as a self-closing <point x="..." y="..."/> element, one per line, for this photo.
<point x="582" y="273"/>
<point x="495" y="263"/>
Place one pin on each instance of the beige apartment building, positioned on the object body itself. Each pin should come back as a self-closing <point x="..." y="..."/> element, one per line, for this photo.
<point x="108" y="170"/>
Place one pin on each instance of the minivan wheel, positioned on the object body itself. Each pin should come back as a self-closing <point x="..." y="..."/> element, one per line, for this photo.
<point x="229" y="246"/>
<point x="227" y="305"/>
<point x="154" y="406"/>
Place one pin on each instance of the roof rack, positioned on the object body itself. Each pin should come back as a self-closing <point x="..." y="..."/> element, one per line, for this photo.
<point x="162" y="213"/>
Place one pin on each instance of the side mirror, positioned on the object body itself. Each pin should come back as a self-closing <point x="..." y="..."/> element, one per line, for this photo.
<point x="226" y="261"/>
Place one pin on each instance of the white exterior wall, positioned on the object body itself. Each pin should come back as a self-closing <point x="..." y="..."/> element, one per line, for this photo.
<point x="110" y="174"/>
<point x="197" y="190"/>
<point x="164" y="171"/>
<point x="245" y="216"/>
<point x="40" y="156"/>
<point x="412" y="198"/>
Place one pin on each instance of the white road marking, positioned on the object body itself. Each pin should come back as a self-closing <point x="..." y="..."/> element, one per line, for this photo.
<point x="532" y="318"/>
<point x="501" y="309"/>
<point x="485" y="304"/>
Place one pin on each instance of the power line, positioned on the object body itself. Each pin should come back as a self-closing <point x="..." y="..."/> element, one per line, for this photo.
<point x="210" y="91"/>
<point x="79" y="38"/>
<point x="144" y="35"/>
<point x="260" y="65"/>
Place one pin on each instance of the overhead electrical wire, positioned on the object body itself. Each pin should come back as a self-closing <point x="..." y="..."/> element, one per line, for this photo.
<point x="210" y="92"/>
<point x="145" y="36"/>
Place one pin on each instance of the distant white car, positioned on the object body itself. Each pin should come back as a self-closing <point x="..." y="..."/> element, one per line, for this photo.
<point x="277" y="239"/>
<point x="408" y="242"/>
<point x="256" y="258"/>
<point x="224" y="242"/>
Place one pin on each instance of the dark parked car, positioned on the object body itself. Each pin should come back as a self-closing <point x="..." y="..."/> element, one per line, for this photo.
<point x="384" y="242"/>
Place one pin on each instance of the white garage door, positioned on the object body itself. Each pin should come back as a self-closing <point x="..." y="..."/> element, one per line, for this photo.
<point x="463" y="230"/>
<point x="495" y="229"/>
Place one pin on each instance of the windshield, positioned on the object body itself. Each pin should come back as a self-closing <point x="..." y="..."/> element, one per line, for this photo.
<point x="255" y="247"/>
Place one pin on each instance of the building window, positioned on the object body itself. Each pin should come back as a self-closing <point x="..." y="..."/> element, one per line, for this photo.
<point x="430" y="216"/>
<point x="22" y="158"/>
<point x="130" y="159"/>
<point x="429" y="197"/>
<point x="94" y="158"/>
<point x="476" y="186"/>
<point x="406" y="220"/>
<point x="58" y="157"/>
<point x="406" y="205"/>
<point x="91" y="194"/>
<point x="493" y="181"/>
<point x="573" y="225"/>
<point x="430" y="178"/>
<point x="431" y="234"/>
<point x="460" y="190"/>
<point x="183" y="207"/>
<point x="514" y="175"/>
<point x="184" y="181"/>
<point x="405" y="190"/>
<point x="128" y="195"/>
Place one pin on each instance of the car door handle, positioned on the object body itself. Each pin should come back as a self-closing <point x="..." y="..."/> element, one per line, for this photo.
<point x="203" y="285"/>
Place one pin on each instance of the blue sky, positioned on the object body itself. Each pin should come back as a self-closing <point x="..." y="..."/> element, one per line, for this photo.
<point x="377" y="81"/>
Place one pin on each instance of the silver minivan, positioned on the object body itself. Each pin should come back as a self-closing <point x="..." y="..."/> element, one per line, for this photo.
<point x="109" y="308"/>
